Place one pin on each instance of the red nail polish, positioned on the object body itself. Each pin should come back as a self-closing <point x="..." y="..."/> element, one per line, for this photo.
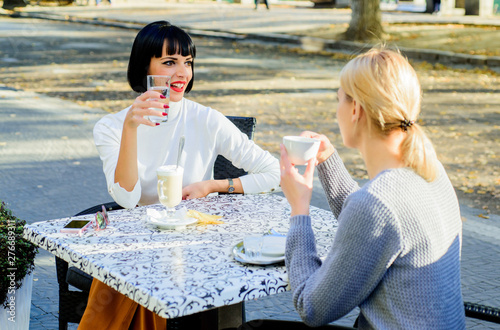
<point x="162" y="96"/>
<point x="166" y="106"/>
<point x="164" y="113"/>
<point x="157" y="124"/>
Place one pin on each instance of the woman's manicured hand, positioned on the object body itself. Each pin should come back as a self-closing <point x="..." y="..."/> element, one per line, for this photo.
<point x="140" y="109"/>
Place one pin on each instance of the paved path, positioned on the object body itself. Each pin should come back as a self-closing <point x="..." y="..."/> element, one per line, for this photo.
<point x="48" y="169"/>
<point x="46" y="150"/>
<point x="46" y="147"/>
<point x="240" y="22"/>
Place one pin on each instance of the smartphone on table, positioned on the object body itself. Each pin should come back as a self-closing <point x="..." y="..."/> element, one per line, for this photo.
<point x="76" y="226"/>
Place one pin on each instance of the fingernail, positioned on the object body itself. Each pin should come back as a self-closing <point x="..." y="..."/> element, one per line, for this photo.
<point x="166" y="106"/>
<point x="164" y="114"/>
<point x="162" y="96"/>
<point x="157" y="124"/>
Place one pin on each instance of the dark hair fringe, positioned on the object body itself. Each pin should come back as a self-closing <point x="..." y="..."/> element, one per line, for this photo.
<point x="149" y="43"/>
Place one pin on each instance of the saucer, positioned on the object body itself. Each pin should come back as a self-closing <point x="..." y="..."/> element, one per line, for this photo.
<point x="239" y="255"/>
<point x="159" y="219"/>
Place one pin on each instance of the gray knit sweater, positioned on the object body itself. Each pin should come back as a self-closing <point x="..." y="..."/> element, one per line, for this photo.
<point x="396" y="253"/>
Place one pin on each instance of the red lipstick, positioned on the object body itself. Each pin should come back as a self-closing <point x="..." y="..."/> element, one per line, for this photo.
<point x="177" y="86"/>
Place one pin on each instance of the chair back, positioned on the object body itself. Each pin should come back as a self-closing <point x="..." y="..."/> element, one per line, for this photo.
<point x="110" y="206"/>
<point x="223" y="168"/>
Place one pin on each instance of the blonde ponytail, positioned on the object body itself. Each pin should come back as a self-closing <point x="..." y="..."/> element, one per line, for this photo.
<point x="419" y="154"/>
<point x="387" y="88"/>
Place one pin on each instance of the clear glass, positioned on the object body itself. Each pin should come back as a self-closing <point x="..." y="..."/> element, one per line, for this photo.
<point x="170" y="187"/>
<point x="162" y="85"/>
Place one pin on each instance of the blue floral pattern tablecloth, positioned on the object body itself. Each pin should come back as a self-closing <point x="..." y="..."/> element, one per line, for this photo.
<point x="180" y="272"/>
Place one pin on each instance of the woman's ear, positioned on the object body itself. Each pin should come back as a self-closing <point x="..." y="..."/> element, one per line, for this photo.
<point x="357" y="112"/>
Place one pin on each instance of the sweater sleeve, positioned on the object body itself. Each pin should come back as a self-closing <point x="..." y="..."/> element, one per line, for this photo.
<point x="336" y="181"/>
<point x="263" y="169"/>
<point x="107" y="139"/>
<point x="367" y="242"/>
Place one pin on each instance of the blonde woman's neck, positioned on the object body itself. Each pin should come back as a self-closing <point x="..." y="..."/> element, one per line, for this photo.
<point x="382" y="153"/>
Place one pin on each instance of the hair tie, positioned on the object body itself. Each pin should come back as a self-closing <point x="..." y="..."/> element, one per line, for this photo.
<point x="406" y="123"/>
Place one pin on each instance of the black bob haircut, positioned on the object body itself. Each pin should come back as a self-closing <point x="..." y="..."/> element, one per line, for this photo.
<point x="149" y="43"/>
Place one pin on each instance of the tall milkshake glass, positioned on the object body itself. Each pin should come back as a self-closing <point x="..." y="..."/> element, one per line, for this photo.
<point x="170" y="187"/>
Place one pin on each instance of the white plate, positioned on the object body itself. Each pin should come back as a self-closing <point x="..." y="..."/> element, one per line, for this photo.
<point x="273" y="246"/>
<point x="239" y="255"/>
<point x="170" y="223"/>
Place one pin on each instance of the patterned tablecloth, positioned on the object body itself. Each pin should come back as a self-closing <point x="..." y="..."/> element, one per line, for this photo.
<point x="180" y="272"/>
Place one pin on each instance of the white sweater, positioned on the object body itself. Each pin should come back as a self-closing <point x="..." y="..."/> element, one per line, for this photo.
<point x="208" y="133"/>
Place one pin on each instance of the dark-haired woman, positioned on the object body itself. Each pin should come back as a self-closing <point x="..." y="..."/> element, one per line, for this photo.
<point x="132" y="147"/>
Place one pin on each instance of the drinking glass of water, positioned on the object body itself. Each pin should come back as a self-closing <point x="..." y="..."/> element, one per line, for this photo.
<point x="160" y="84"/>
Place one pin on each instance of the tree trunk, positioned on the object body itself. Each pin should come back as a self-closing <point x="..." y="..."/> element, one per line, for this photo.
<point x="429" y="6"/>
<point x="11" y="4"/>
<point x="366" y="21"/>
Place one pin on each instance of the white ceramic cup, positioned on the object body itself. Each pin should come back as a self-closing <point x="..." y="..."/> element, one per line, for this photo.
<point x="300" y="149"/>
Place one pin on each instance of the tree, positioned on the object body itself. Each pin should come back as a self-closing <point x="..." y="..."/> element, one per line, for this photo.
<point x="366" y="21"/>
<point x="11" y="4"/>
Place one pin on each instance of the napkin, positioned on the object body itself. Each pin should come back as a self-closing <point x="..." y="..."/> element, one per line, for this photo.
<point x="203" y="218"/>
<point x="273" y="245"/>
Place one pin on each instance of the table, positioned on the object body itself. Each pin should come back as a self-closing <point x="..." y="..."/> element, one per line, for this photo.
<point x="176" y="273"/>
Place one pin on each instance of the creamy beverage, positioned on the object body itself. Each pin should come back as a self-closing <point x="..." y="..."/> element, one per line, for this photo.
<point x="170" y="186"/>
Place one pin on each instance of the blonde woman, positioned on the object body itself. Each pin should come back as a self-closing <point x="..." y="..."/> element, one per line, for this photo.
<point x="396" y="253"/>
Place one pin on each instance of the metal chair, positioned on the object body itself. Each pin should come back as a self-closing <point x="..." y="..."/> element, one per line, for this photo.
<point x="223" y="168"/>
<point x="72" y="303"/>
<point x="482" y="312"/>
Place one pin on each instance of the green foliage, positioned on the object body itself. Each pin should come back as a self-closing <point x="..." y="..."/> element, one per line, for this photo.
<point x="17" y="255"/>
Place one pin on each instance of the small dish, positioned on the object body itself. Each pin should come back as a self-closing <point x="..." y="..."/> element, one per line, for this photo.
<point x="155" y="218"/>
<point x="239" y="255"/>
<point x="170" y="223"/>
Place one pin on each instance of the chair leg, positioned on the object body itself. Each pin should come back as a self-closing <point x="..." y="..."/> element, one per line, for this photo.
<point x="63" y="324"/>
<point x="72" y="304"/>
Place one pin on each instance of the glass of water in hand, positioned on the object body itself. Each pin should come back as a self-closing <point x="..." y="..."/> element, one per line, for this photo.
<point x="160" y="84"/>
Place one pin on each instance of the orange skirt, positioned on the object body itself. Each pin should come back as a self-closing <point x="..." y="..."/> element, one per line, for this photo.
<point x="109" y="309"/>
